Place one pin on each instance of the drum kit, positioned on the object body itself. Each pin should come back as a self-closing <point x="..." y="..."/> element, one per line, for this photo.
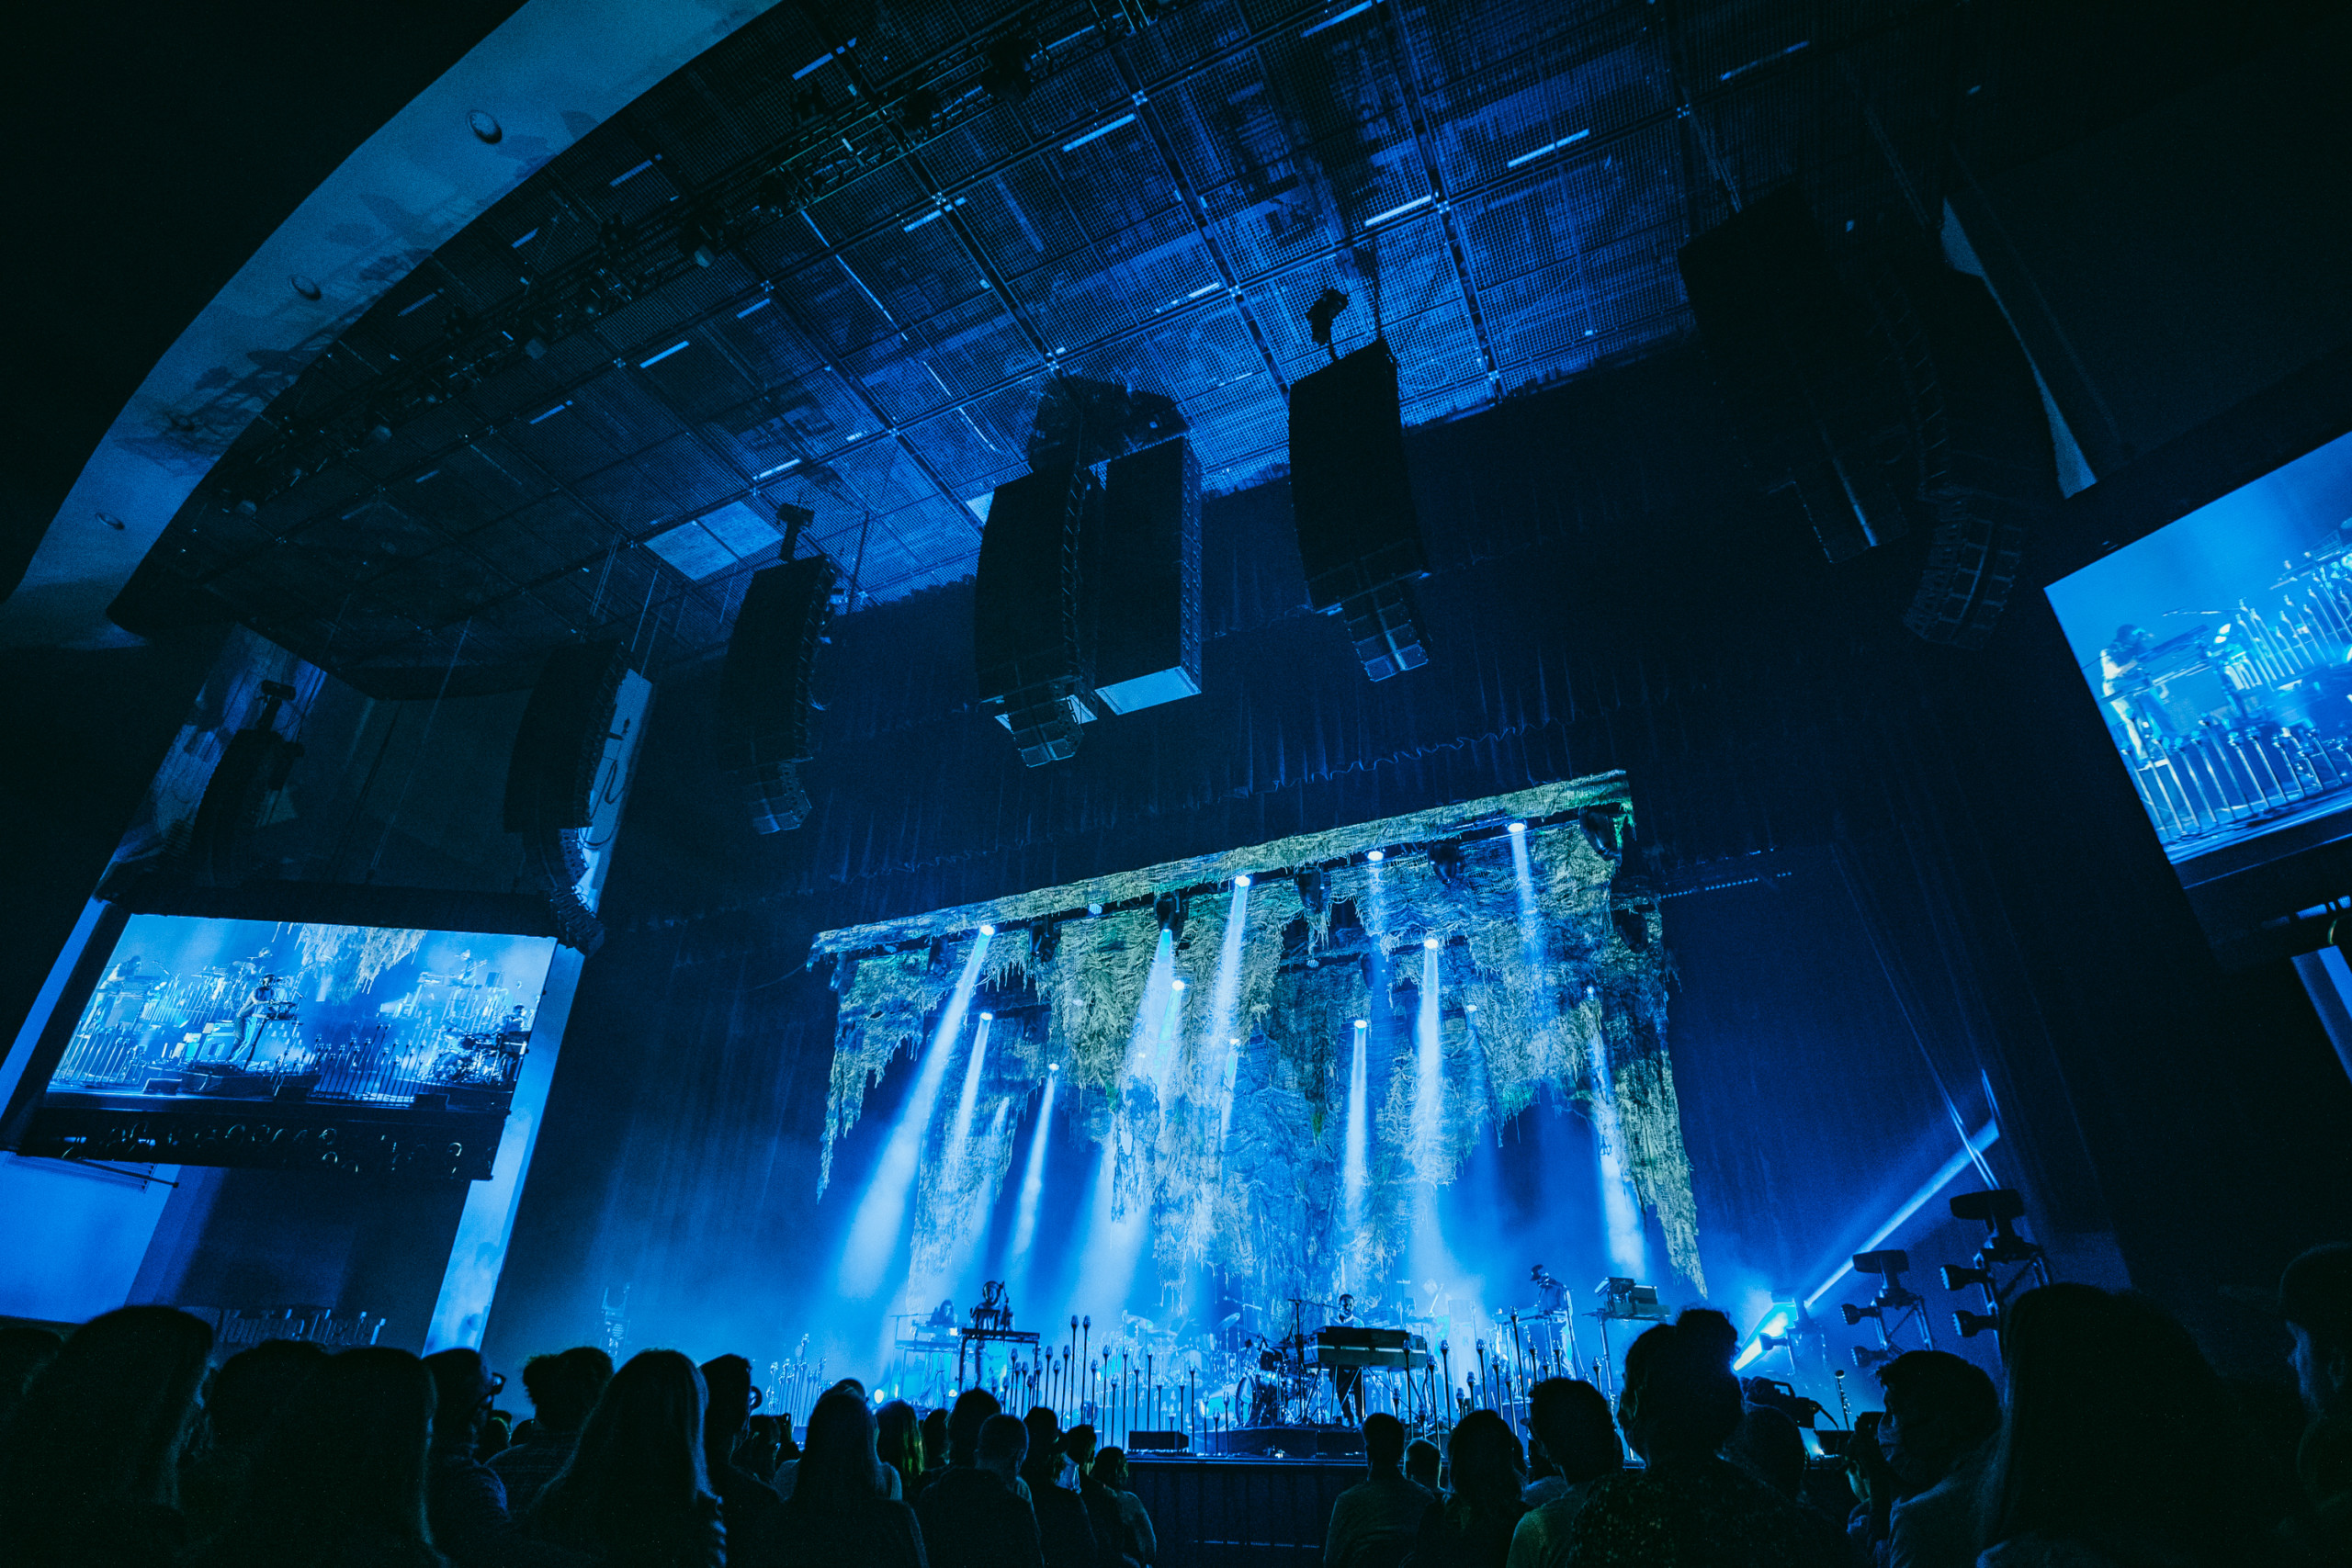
<point x="1276" y="1385"/>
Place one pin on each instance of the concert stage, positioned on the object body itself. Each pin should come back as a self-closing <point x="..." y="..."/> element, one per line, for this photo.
<point x="1218" y="1144"/>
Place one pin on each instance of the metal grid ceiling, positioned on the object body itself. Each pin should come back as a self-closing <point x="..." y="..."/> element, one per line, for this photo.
<point x="1500" y="186"/>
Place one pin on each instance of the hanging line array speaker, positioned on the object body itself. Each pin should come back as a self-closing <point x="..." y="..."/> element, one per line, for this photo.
<point x="764" y="699"/>
<point x="1028" y="644"/>
<point x="1814" y="394"/>
<point x="553" y="774"/>
<point x="1351" y="498"/>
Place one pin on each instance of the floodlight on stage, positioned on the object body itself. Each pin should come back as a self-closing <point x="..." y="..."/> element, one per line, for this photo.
<point x="986" y="1017"/>
<point x="1516" y="827"/>
<point x="1175" y="985"/>
<point x="988" y="931"/>
<point x="1095" y="909"/>
<point x="1053" y="1066"/>
<point x="1431" y="942"/>
<point x="1375" y="856"/>
<point x="1243" y="880"/>
<point x="1364" y="1023"/>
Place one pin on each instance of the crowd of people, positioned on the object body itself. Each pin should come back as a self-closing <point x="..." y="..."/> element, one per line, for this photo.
<point x="2116" y="1446"/>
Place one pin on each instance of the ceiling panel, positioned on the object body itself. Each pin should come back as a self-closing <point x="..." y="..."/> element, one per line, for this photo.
<point x="1502" y="186"/>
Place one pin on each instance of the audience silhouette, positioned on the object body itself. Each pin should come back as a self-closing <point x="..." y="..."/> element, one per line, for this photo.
<point x="242" y="1400"/>
<point x="1138" y="1542"/>
<point x="1374" y="1522"/>
<point x="1688" y="1505"/>
<point x="748" y="1505"/>
<point x="973" y="1512"/>
<point x="838" y="1513"/>
<point x="1471" y="1526"/>
<point x="2114" y="1445"/>
<point x="88" y="1457"/>
<point x="1572" y="1426"/>
<point x="634" y="1492"/>
<point x="563" y="1388"/>
<point x="340" y="1481"/>
<point x="1063" y="1528"/>
<point x="2119" y="1445"/>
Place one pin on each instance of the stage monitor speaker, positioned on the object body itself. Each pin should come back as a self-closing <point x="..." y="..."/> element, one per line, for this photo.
<point x="764" y="691"/>
<point x="1143" y="589"/>
<point x="1157" y="1442"/>
<point x="1815" y="396"/>
<point x="1350" y="495"/>
<point x="1028" y="643"/>
<point x="551" y="777"/>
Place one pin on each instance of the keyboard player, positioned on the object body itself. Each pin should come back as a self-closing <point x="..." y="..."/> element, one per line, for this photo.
<point x="1347" y="1383"/>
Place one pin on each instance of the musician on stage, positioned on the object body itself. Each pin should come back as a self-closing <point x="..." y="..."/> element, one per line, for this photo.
<point x="2131" y="691"/>
<point x="1347" y="1383"/>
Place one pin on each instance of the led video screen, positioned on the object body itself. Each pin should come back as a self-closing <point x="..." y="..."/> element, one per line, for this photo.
<point x="2220" y="649"/>
<point x="297" y="1037"/>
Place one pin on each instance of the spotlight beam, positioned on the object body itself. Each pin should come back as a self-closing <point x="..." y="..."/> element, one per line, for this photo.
<point x="1972" y="1152"/>
<point x="874" y="1234"/>
<point x="1033" y="1179"/>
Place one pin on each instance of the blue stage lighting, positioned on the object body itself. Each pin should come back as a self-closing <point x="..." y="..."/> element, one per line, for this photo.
<point x="1375" y="856"/>
<point x="1175" y="985"/>
<point x="986" y="1016"/>
<point x="1431" y="942"/>
<point x="1364" y="1023"/>
<point x="1516" y="828"/>
<point x="1243" y="880"/>
<point x="988" y="931"/>
<point x="1094" y="908"/>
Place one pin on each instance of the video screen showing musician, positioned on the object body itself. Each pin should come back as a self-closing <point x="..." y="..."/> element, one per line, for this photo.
<point x="2130" y="689"/>
<point x="2218" y="648"/>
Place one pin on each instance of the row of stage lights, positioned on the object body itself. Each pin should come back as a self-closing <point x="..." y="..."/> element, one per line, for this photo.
<point x="1240" y="880"/>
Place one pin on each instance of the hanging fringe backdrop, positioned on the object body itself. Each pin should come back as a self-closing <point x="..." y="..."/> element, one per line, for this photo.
<point x="1532" y="1001"/>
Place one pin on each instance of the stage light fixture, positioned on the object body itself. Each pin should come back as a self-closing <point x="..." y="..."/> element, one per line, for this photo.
<point x="1868" y="1356"/>
<point x="1364" y="1023"/>
<point x="1313" y="896"/>
<point x="1375" y="856"/>
<point x="1959" y="1276"/>
<point x="1094" y="911"/>
<point x="1469" y="1007"/>
<point x="1243" y="880"/>
<point x="1006" y="74"/>
<point x="987" y="1017"/>
<point x="988" y="931"/>
<point x="1175" y="985"/>
<point x="1323" y="312"/>
<point x="1516" y="827"/>
<point x="1971" y="1324"/>
<point x="1855" y="1314"/>
<point x="1445" y="859"/>
<point x="1168" y="910"/>
<point x="1431" y="942"/>
<point x="1053" y="1066"/>
<point x="1044" y="941"/>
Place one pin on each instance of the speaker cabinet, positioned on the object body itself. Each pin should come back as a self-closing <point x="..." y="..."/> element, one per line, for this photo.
<point x="765" y="694"/>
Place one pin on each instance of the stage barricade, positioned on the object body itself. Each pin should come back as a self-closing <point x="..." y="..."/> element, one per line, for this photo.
<point x="1239" y="1512"/>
